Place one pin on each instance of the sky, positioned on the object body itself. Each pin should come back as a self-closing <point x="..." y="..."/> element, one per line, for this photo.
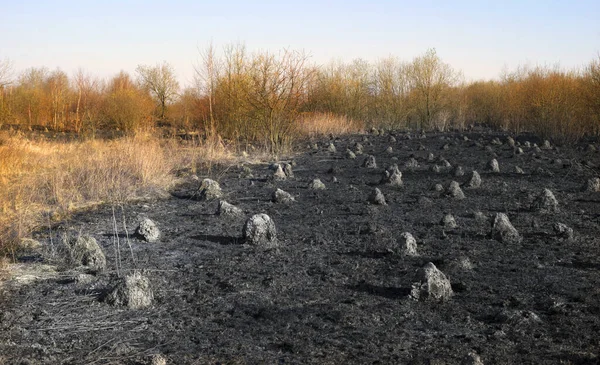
<point x="479" y="38"/>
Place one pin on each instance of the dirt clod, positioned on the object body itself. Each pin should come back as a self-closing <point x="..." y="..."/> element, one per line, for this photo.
<point x="448" y="222"/>
<point x="158" y="359"/>
<point x="546" y="202"/>
<point x="376" y="197"/>
<point x="411" y="164"/>
<point x="148" y="231"/>
<point x="472" y="359"/>
<point x="504" y="231"/>
<point x="84" y="250"/>
<point x="279" y="174"/>
<point x="370" y="162"/>
<point x="458" y="171"/>
<point x="210" y="189"/>
<point x="408" y="244"/>
<point x="455" y="192"/>
<point x="280" y="196"/>
<point x="259" y="230"/>
<point x="493" y="166"/>
<point x="133" y="291"/>
<point x="288" y="170"/>
<point x="563" y="231"/>
<point x="316" y="184"/>
<point x="475" y="180"/>
<point x="228" y="210"/>
<point x="392" y="176"/>
<point x="432" y="285"/>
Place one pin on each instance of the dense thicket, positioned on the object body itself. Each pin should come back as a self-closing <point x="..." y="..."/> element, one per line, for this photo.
<point x="267" y="97"/>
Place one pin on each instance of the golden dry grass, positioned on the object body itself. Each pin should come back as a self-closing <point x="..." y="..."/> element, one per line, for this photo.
<point x="322" y="124"/>
<point x="43" y="181"/>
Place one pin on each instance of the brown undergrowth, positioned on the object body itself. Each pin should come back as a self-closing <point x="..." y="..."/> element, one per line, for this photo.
<point x="323" y="124"/>
<point x="44" y="181"/>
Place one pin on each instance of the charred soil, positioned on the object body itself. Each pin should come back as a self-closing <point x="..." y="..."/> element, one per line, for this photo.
<point x="336" y="287"/>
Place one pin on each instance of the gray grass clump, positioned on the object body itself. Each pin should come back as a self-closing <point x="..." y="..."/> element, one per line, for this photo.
<point x="408" y="244"/>
<point x="432" y="285"/>
<point x="316" y="184"/>
<point x="475" y="181"/>
<point x="228" y="210"/>
<point x="493" y="166"/>
<point x="148" y="231"/>
<point x="455" y="191"/>
<point x="392" y="176"/>
<point x="280" y="196"/>
<point x="503" y="230"/>
<point x="133" y="291"/>
<point x="376" y="197"/>
<point x="592" y="185"/>
<point x="259" y="230"/>
<point x="83" y="250"/>
<point x="448" y="222"/>
<point x="279" y="174"/>
<point x="210" y="189"/>
<point x="370" y="162"/>
<point x="546" y="202"/>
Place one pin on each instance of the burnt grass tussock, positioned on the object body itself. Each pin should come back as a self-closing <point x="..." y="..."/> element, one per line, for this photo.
<point x="337" y="287"/>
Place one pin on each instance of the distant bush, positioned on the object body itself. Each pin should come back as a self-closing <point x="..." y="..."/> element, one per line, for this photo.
<point x="264" y="98"/>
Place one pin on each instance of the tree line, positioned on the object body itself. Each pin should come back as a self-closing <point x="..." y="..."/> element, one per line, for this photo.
<point x="265" y="96"/>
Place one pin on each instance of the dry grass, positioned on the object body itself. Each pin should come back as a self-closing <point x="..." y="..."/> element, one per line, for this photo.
<point x="43" y="181"/>
<point x="322" y="124"/>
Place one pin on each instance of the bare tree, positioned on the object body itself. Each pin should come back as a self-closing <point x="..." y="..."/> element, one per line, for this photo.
<point x="277" y="91"/>
<point x="207" y="74"/>
<point x="86" y="87"/>
<point x="5" y="72"/>
<point x="430" y="79"/>
<point x="57" y="84"/>
<point x="161" y="82"/>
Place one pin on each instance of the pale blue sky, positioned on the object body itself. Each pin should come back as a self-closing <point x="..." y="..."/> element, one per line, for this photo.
<point x="478" y="37"/>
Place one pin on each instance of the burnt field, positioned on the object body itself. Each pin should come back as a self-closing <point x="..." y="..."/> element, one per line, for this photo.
<point x="341" y="283"/>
